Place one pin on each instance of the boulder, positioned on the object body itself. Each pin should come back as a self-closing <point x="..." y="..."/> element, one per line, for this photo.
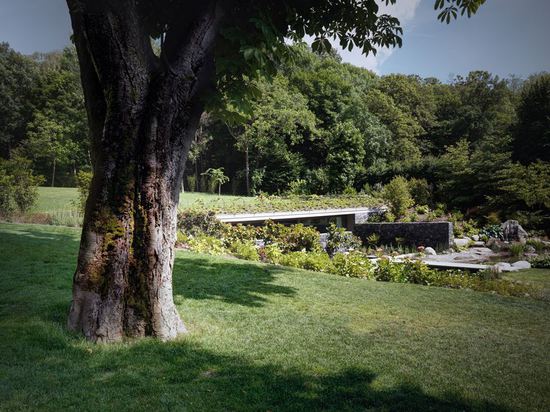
<point x="462" y="242"/>
<point x="521" y="264"/>
<point x="493" y="244"/>
<point x="512" y="231"/>
<point x="482" y="251"/>
<point x="475" y="238"/>
<point x="430" y="251"/>
<point x="504" y="267"/>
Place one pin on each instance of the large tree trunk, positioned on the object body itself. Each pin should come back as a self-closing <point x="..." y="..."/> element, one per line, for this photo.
<point x="143" y="112"/>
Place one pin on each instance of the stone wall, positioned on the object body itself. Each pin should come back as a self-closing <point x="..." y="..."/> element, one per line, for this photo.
<point x="438" y="235"/>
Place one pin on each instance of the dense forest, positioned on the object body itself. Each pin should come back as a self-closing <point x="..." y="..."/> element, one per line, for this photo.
<point x="479" y="144"/>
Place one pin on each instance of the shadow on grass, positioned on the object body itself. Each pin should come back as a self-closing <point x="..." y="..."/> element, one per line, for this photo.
<point x="234" y="281"/>
<point x="150" y="375"/>
<point x="45" y="368"/>
<point x="35" y="235"/>
<point x="195" y="277"/>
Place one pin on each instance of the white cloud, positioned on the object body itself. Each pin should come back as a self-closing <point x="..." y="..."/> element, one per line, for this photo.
<point x="405" y="11"/>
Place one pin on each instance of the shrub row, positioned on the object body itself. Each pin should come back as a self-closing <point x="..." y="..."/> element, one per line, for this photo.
<point x="293" y="238"/>
<point x="298" y="246"/>
<point x="356" y="265"/>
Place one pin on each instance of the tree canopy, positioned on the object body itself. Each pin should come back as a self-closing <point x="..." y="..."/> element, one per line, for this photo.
<point x="252" y="34"/>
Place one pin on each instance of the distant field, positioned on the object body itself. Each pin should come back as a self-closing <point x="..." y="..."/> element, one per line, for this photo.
<point x="54" y="199"/>
<point x="189" y="199"/>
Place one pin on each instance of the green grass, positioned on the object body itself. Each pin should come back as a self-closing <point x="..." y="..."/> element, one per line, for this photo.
<point x="536" y="277"/>
<point x="190" y="199"/>
<point x="268" y="338"/>
<point x="54" y="199"/>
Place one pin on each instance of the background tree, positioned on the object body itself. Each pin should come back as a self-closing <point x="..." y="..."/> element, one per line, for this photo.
<point x="57" y="134"/>
<point x="404" y="148"/>
<point x="47" y="140"/>
<point x="454" y="174"/>
<point x="486" y="106"/>
<point x="398" y="196"/>
<point x="532" y="134"/>
<point x="18" y="84"/>
<point x="278" y="126"/>
<point x="201" y="142"/>
<point x="217" y="178"/>
<point x="345" y="156"/>
<point x="18" y="185"/>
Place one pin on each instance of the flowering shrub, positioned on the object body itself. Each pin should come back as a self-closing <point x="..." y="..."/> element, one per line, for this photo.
<point x="352" y="265"/>
<point x="293" y="238"/>
<point x="491" y="231"/>
<point x="540" y="262"/>
<point x="339" y="240"/>
<point x="193" y="222"/>
<point x="299" y="237"/>
<point x="271" y="254"/>
<point x="203" y="244"/>
<point x="245" y="250"/>
<point x="316" y="261"/>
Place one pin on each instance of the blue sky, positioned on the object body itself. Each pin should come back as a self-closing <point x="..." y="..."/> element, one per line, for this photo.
<point x="505" y="37"/>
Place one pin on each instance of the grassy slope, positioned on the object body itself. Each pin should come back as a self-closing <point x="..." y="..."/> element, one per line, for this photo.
<point x="538" y="277"/>
<point x="267" y="338"/>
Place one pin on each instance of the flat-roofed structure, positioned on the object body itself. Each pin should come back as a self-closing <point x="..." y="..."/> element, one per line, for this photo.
<point x="346" y="217"/>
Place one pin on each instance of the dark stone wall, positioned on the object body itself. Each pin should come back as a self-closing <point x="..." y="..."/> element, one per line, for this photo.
<point x="438" y="235"/>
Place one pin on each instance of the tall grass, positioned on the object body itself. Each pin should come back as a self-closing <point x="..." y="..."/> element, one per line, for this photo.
<point x="538" y="244"/>
<point x="71" y="218"/>
<point x="517" y="249"/>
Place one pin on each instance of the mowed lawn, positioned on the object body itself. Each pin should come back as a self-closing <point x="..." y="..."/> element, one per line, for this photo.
<point x="535" y="277"/>
<point x="54" y="199"/>
<point x="59" y="199"/>
<point x="264" y="338"/>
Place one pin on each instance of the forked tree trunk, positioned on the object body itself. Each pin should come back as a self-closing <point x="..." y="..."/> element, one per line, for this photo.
<point x="143" y="112"/>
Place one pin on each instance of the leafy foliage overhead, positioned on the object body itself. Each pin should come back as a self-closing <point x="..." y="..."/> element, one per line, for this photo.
<point x="252" y="34"/>
<point x="451" y="8"/>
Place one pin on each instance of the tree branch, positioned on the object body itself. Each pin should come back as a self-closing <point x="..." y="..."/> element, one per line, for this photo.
<point x="118" y="47"/>
<point x="187" y="46"/>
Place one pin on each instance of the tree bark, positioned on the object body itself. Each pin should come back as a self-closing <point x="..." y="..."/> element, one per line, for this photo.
<point x="247" y="170"/>
<point x="53" y="172"/>
<point x="143" y="112"/>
